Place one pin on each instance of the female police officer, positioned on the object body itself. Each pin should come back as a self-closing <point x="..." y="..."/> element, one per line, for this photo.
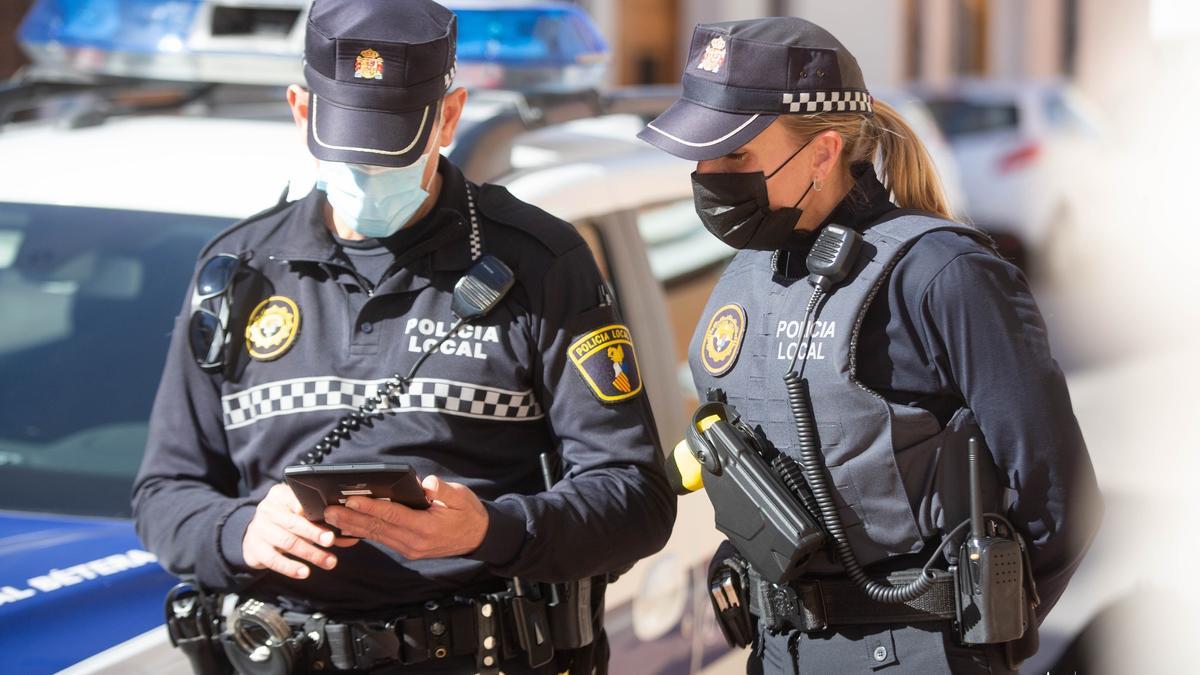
<point x="929" y="338"/>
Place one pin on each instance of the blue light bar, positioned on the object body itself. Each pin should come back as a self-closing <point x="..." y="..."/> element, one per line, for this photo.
<point x="528" y="46"/>
<point x="507" y="44"/>
<point x="181" y="40"/>
<point x="132" y="26"/>
<point x="539" y="36"/>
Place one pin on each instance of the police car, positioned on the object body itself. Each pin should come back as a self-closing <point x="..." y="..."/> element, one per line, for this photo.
<point x="109" y="189"/>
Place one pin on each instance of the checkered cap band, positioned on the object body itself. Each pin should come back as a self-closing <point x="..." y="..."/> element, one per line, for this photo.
<point x="827" y="101"/>
<point x="290" y="397"/>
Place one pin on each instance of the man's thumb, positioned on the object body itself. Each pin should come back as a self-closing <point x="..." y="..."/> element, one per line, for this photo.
<point x="433" y="487"/>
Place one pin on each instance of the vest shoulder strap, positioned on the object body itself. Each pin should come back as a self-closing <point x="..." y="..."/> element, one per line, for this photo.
<point x="911" y="225"/>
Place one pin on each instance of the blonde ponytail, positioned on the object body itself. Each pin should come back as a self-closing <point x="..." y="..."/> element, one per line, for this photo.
<point x="906" y="169"/>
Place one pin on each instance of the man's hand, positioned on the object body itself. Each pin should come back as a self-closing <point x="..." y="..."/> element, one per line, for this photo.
<point x="454" y="523"/>
<point x="279" y="530"/>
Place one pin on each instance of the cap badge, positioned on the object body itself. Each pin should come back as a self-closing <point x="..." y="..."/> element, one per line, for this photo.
<point x="714" y="56"/>
<point x="369" y="65"/>
<point x="272" y="328"/>
<point x="723" y="339"/>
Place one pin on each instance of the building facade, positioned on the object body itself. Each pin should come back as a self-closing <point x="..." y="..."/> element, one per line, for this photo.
<point x="895" y="41"/>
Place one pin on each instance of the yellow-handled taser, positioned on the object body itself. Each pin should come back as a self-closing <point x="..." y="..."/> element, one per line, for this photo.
<point x="683" y="469"/>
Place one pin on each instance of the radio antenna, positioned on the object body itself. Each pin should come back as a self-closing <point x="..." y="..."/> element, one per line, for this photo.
<point x="976" y="487"/>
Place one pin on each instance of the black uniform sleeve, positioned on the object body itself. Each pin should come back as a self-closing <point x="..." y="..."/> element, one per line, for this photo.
<point x="986" y="334"/>
<point x="185" y="498"/>
<point x="613" y="505"/>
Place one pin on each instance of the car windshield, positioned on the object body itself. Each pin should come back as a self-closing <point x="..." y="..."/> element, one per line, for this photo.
<point x="958" y="117"/>
<point x="88" y="298"/>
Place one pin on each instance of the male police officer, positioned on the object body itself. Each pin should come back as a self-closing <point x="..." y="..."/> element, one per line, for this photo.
<point x="338" y="291"/>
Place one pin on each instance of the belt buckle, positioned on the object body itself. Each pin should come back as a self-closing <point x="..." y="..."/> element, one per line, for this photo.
<point x="411" y="633"/>
<point x="376" y="643"/>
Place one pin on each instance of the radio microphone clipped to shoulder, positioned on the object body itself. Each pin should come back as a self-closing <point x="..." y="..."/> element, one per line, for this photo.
<point x="832" y="256"/>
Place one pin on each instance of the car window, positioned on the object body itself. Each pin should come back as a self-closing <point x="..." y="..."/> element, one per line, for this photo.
<point x="688" y="260"/>
<point x="958" y="117"/>
<point x="676" y="241"/>
<point x="88" y="298"/>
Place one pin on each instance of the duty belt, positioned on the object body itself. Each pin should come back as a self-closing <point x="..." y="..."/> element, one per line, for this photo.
<point x="431" y="632"/>
<point x="815" y="604"/>
<point x="488" y="626"/>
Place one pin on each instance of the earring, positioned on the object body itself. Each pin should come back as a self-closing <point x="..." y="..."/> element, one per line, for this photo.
<point x="817" y="184"/>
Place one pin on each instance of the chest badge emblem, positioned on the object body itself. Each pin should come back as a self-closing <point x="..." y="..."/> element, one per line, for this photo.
<point x="714" y="56"/>
<point x="272" y="328"/>
<point x="368" y="65"/>
<point x="606" y="360"/>
<point x="723" y="339"/>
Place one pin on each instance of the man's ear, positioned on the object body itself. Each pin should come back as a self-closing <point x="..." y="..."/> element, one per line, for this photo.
<point x="297" y="99"/>
<point x="452" y="108"/>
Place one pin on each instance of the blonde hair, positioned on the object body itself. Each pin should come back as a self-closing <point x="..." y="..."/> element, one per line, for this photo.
<point x="907" y="170"/>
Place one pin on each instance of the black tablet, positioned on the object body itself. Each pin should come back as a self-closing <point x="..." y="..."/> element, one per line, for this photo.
<point x="319" y="485"/>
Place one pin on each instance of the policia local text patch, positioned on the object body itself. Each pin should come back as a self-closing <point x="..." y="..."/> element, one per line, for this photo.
<point x="606" y="360"/>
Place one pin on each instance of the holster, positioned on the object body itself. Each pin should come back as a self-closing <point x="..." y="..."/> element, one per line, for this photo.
<point x="729" y="592"/>
<point x="571" y="614"/>
<point x="192" y="626"/>
<point x="1018" y="651"/>
<point x="205" y="657"/>
<point x="590" y="656"/>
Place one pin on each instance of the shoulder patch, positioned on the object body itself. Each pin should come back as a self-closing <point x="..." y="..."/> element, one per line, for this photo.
<point x="723" y="339"/>
<point x="606" y="360"/>
<point x="498" y="204"/>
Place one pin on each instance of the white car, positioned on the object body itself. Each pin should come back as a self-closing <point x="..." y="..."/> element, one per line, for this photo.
<point x="1022" y="150"/>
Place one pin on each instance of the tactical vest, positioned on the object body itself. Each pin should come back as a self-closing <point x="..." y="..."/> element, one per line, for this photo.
<point x="900" y="478"/>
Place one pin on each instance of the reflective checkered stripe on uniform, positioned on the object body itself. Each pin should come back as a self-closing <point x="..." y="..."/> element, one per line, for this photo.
<point x="290" y="397"/>
<point x="827" y="101"/>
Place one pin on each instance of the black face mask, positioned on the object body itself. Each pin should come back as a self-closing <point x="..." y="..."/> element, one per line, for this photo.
<point x="736" y="209"/>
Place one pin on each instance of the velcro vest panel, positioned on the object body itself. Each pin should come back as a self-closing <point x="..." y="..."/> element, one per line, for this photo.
<point x="899" y="477"/>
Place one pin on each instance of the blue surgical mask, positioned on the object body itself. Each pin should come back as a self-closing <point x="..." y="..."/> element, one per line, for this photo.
<point x="375" y="201"/>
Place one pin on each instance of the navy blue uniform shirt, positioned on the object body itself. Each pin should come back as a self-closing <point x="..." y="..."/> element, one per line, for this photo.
<point x="956" y="326"/>
<point x="499" y="392"/>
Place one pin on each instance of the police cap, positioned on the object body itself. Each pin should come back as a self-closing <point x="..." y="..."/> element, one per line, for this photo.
<point x="376" y="70"/>
<point x="741" y="75"/>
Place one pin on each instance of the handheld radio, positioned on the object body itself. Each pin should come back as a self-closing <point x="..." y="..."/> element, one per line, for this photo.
<point x="990" y="579"/>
